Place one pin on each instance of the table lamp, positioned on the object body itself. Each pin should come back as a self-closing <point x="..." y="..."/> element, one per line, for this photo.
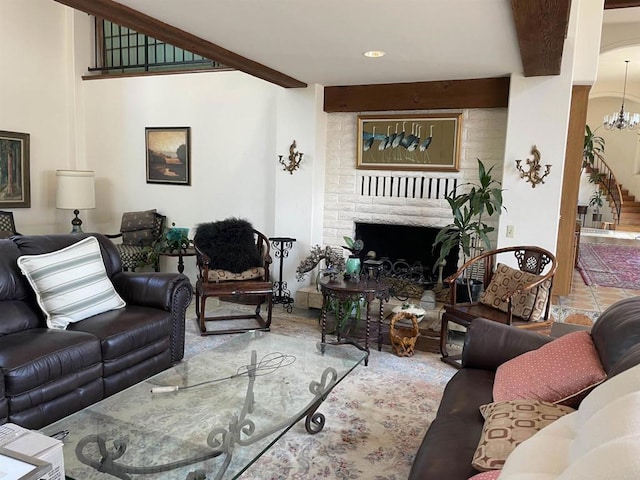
<point x="75" y="191"/>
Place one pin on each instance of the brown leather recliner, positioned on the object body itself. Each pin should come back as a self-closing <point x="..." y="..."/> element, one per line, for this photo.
<point x="48" y="373"/>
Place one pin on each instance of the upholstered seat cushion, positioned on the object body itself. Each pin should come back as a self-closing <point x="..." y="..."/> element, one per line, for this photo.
<point x="60" y="360"/>
<point x="131" y="255"/>
<point x="225" y="275"/>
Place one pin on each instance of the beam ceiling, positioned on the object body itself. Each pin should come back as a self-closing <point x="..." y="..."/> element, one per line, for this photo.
<point x="541" y="34"/>
<point x="127" y="17"/>
<point x="609" y="4"/>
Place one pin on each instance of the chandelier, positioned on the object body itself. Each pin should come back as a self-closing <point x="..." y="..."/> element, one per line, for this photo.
<point x="621" y="120"/>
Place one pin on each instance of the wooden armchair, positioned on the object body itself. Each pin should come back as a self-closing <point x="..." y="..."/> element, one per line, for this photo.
<point x="138" y="230"/>
<point x="228" y="273"/>
<point x="518" y="297"/>
<point x="7" y="224"/>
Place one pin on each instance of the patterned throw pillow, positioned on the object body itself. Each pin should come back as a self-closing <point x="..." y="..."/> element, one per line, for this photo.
<point x="529" y="306"/>
<point x="561" y="371"/>
<point x="138" y="228"/>
<point x="71" y="284"/>
<point x="507" y="425"/>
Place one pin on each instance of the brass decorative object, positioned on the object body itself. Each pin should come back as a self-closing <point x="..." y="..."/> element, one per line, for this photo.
<point x="533" y="174"/>
<point x="294" y="159"/>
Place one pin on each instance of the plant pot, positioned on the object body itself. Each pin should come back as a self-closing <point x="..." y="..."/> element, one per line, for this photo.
<point x="352" y="266"/>
<point x="596" y="217"/>
<point x="476" y="287"/>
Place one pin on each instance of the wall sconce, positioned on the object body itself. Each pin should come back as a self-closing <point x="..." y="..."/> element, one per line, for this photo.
<point x="533" y="174"/>
<point x="294" y="159"/>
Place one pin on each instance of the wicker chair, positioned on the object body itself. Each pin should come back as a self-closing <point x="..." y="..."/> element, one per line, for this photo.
<point x="251" y="286"/>
<point x="7" y="225"/>
<point x="137" y="231"/>
<point x="518" y="297"/>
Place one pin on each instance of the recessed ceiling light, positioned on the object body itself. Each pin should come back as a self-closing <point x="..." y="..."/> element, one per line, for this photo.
<point x="374" y="53"/>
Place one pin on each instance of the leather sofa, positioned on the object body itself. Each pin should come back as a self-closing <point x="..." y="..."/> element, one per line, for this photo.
<point x="47" y="374"/>
<point x="450" y="442"/>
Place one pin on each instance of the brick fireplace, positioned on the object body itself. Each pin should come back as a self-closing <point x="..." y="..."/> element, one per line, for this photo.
<point x="404" y="198"/>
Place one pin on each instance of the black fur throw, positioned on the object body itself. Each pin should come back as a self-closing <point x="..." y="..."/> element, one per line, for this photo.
<point x="229" y="244"/>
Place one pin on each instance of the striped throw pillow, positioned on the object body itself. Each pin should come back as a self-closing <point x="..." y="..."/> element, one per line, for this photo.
<point x="71" y="284"/>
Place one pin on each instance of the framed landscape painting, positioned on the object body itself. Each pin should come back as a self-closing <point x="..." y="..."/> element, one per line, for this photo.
<point x="409" y="142"/>
<point x="14" y="170"/>
<point x="168" y="155"/>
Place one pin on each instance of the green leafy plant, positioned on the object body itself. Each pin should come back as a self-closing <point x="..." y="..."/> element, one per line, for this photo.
<point x="469" y="210"/>
<point x="593" y="148"/>
<point x="354" y="246"/>
<point x="596" y="200"/>
<point x="172" y="240"/>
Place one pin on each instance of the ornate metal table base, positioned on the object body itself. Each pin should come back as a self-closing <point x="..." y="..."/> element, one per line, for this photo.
<point x="240" y="432"/>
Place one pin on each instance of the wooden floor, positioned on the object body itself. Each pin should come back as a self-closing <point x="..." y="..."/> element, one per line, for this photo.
<point x="595" y="298"/>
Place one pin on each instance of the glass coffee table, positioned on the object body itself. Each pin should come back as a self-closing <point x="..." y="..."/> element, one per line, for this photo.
<point x="209" y="417"/>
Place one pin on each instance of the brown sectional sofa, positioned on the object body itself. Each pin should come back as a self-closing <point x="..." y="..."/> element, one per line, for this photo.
<point x="46" y="374"/>
<point x="450" y="442"/>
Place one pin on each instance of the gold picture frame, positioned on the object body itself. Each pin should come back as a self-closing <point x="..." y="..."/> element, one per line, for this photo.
<point x="409" y="142"/>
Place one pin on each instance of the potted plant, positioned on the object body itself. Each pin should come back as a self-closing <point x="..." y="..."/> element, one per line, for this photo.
<point x="596" y="201"/>
<point x="173" y="239"/>
<point x="593" y="148"/>
<point x="469" y="209"/>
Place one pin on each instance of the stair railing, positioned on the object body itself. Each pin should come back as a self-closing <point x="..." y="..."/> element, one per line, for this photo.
<point x="607" y="181"/>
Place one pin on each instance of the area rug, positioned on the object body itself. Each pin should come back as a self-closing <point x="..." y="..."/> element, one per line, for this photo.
<point x="573" y="315"/>
<point x="610" y="265"/>
<point x="375" y="419"/>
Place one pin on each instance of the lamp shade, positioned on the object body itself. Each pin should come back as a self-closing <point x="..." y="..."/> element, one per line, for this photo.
<point x="75" y="190"/>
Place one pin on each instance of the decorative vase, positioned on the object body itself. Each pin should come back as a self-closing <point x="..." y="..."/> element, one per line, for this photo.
<point x="352" y="266"/>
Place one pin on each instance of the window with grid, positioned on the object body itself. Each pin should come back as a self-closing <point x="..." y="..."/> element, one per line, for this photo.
<point x="122" y="50"/>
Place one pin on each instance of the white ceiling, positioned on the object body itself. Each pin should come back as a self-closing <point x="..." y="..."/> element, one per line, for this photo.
<point x="322" y="41"/>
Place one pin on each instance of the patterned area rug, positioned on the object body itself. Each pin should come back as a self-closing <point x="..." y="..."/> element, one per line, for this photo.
<point x="375" y="419"/>
<point x="610" y="265"/>
<point x="573" y="315"/>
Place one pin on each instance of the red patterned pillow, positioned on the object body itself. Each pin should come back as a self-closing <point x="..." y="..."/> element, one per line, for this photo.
<point x="489" y="475"/>
<point x="562" y="371"/>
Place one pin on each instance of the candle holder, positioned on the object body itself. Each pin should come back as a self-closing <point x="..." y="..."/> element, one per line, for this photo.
<point x="294" y="159"/>
<point x="533" y="174"/>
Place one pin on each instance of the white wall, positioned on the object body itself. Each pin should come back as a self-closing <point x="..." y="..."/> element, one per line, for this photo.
<point x="35" y="99"/>
<point x="239" y="126"/>
<point x="235" y="120"/>
<point x="538" y="115"/>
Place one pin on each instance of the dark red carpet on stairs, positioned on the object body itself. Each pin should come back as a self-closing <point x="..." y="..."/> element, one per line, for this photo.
<point x="610" y="265"/>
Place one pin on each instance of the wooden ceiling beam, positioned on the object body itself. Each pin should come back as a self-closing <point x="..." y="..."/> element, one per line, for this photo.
<point x="476" y="93"/>
<point x="127" y="17"/>
<point x="541" y="28"/>
<point x="609" y="4"/>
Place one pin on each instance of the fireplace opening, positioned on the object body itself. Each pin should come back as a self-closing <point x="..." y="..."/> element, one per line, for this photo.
<point x="412" y="244"/>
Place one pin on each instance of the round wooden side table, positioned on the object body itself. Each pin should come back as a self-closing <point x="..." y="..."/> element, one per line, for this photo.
<point x="338" y="291"/>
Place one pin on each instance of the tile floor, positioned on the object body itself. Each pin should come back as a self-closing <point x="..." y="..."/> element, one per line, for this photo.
<point x="595" y="298"/>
